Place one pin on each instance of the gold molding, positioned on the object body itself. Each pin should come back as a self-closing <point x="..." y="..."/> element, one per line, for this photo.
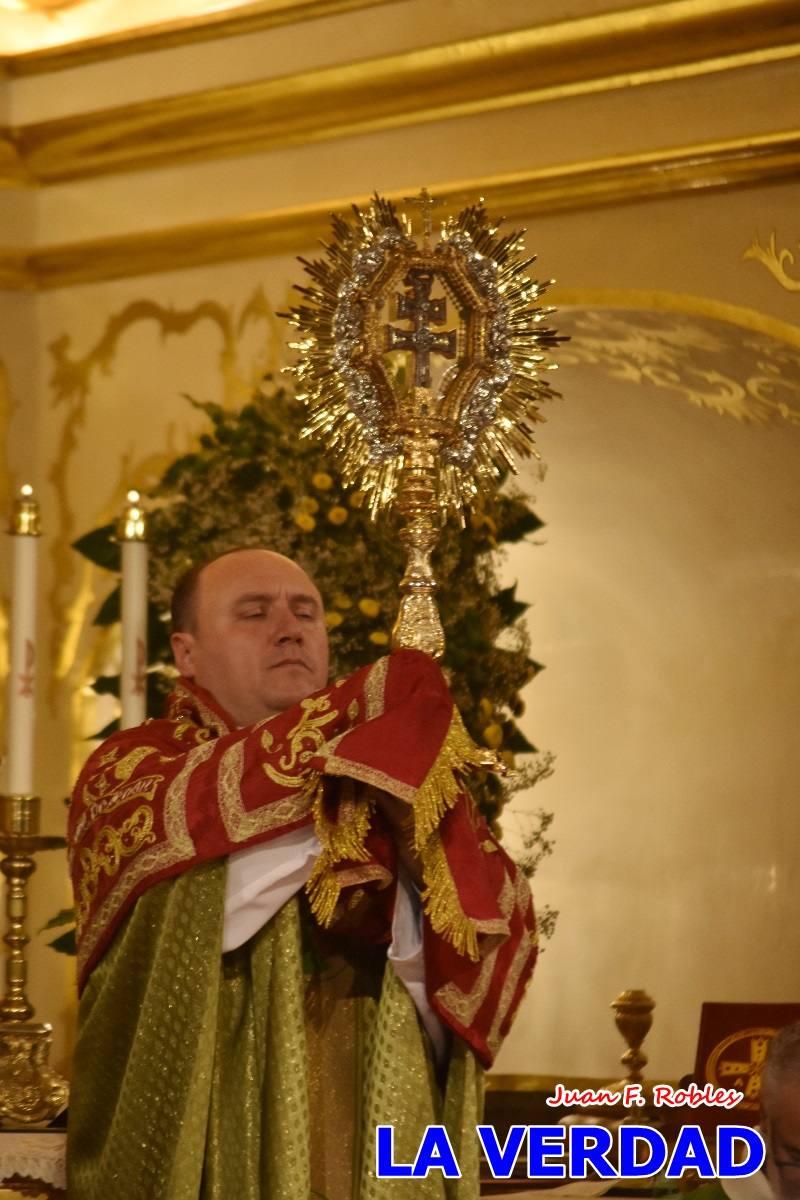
<point x="16" y="272"/>
<point x="266" y="14"/>
<point x="677" y="302"/>
<point x="499" y="71"/>
<point x="12" y="169"/>
<point x="548" y="190"/>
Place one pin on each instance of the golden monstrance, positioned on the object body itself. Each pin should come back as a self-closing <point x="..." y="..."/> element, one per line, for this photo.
<point x="421" y="359"/>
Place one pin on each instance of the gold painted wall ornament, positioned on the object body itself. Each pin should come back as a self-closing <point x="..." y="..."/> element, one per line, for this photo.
<point x="411" y="435"/>
<point x="775" y="260"/>
<point x="750" y="376"/>
<point x="73" y="385"/>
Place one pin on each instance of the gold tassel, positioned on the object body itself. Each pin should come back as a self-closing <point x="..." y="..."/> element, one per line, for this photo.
<point x="441" y="902"/>
<point x="440" y="788"/>
<point x="439" y="791"/>
<point x="339" y="843"/>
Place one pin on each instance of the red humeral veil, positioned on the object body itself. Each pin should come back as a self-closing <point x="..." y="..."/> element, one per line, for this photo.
<point x="157" y="800"/>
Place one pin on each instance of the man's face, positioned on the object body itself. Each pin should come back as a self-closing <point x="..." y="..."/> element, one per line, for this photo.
<point x="783" y="1141"/>
<point x="259" y="642"/>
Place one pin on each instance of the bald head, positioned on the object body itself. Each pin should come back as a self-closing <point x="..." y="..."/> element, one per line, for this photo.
<point x="249" y="627"/>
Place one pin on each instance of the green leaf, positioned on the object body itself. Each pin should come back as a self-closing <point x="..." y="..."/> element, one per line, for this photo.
<point x="100" y="547"/>
<point x="65" y="917"/>
<point x="106" y="685"/>
<point x="511" y="609"/>
<point x="517" y="743"/>
<point x="109" y="611"/>
<point x="64" y="943"/>
<point x="518" y="524"/>
<point x="174" y="472"/>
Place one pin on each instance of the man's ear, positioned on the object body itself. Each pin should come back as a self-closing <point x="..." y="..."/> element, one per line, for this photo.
<point x="183" y="650"/>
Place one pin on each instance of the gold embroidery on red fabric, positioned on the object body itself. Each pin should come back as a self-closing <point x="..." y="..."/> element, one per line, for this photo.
<point x="304" y="739"/>
<point x="176" y="847"/>
<point x="527" y="945"/>
<point x="109" y="848"/>
<point x="464" y="1005"/>
<point x="369" y="873"/>
<point x="184" y="704"/>
<point x="353" y="770"/>
<point x="127" y="765"/>
<point x="375" y="688"/>
<point x="242" y="823"/>
<point x="129" y="793"/>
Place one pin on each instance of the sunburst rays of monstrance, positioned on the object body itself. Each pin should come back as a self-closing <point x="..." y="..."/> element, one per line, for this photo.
<point x="430" y="448"/>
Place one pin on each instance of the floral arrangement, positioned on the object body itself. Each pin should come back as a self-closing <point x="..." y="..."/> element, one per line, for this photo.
<point x="253" y="481"/>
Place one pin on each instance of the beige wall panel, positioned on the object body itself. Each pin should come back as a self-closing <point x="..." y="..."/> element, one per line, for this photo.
<point x="666" y="596"/>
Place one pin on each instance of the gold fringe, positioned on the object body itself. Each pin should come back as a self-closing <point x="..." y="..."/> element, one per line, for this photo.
<point x="339" y="842"/>
<point x="441" y="902"/>
<point x="440" y="788"/>
<point x="438" y="792"/>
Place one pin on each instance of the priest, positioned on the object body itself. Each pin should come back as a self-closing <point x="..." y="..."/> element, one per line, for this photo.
<point x="293" y="923"/>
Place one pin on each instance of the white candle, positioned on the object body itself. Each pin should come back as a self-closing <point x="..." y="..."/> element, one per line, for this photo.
<point x="132" y="534"/>
<point x="24" y="530"/>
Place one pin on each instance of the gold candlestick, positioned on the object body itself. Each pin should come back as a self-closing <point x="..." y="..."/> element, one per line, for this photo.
<point x="633" y="1017"/>
<point x="31" y="1093"/>
<point x="428" y="450"/>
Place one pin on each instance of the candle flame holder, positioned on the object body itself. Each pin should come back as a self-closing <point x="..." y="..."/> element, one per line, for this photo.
<point x="31" y="1093"/>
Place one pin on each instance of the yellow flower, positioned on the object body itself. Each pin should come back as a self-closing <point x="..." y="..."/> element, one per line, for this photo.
<point x="332" y="619"/>
<point x="485" y="708"/>
<point x="337" y="515"/>
<point x="379" y="638"/>
<point x="304" y="521"/>
<point x="342" y="601"/>
<point x="307" y="504"/>
<point x="493" y="735"/>
<point x="370" y="608"/>
<point x="357" y="499"/>
<point x="322" y="481"/>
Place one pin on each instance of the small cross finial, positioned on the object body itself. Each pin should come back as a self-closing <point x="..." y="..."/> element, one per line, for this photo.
<point x="426" y="203"/>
